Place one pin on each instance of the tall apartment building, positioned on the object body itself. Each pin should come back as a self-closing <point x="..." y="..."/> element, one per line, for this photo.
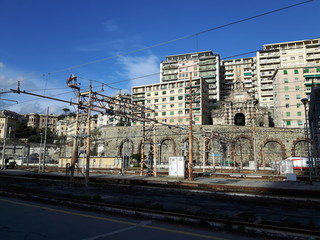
<point x="171" y="101"/>
<point x="39" y="121"/>
<point x="285" y="55"/>
<point x="237" y="72"/>
<point x="291" y="84"/>
<point x="201" y="64"/>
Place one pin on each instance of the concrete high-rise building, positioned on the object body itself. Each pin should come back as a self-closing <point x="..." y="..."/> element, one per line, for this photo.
<point x="204" y="64"/>
<point x="291" y="84"/>
<point x="293" y="54"/>
<point x="171" y="103"/>
<point x="238" y="73"/>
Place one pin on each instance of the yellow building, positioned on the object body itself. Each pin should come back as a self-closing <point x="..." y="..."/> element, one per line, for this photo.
<point x="95" y="162"/>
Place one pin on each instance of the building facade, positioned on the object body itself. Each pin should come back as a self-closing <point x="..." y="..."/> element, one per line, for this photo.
<point x="291" y="84"/>
<point x="205" y="65"/>
<point x="171" y="101"/>
<point x="119" y="104"/>
<point x="39" y="121"/>
<point x="285" y="55"/>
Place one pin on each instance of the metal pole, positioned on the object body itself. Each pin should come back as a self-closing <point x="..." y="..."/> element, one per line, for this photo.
<point x="3" y="164"/>
<point x="74" y="157"/>
<point x="88" y="137"/>
<point x="40" y="154"/>
<point x="154" y="151"/>
<point x="190" y="176"/>
<point x="305" y="101"/>
<point x="45" y="141"/>
<point x="142" y="147"/>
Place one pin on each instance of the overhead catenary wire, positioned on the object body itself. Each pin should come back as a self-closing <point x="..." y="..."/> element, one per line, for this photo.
<point x="181" y="38"/>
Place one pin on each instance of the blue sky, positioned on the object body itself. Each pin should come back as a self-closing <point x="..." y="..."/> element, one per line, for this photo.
<point x="43" y="41"/>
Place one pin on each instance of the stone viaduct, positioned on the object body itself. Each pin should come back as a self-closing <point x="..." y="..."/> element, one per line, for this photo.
<point x="220" y="144"/>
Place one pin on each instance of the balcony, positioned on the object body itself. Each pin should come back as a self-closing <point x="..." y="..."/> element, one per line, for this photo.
<point x="207" y="68"/>
<point x="170" y="66"/>
<point x="207" y="62"/>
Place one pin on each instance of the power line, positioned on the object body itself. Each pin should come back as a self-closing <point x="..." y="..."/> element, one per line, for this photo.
<point x="181" y="38"/>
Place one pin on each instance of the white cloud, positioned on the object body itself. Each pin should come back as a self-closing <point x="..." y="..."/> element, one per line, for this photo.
<point x="136" y="67"/>
<point x="2" y="65"/>
<point x="31" y="82"/>
<point x="110" y="26"/>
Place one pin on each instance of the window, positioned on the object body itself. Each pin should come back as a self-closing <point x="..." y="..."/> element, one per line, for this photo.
<point x="148" y="94"/>
<point x="179" y="120"/>
<point x="164" y="99"/>
<point x="164" y="92"/>
<point x="172" y="120"/>
<point x="171" y="98"/>
<point x="298" y="96"/>
<point x="286" y="97"/>
<point x="286" y="88"/>
<point x="297" y="87"/>
<point x="298" y="105"/>
<point x="299" y="113"/>
<point x="196" y="119"/>
<point x="164" y="113"/>
<point x="172" y="113"/>
<point x="163" y="86"/>
<point x="296" y="71"/>
<point x="171" y="91"/>
<point x="285" y="80"/>
<point x="288" y="123"/>
<point x="285" y="72"/>
<point x="287" y="105"/>
<point x="180" y="90"/>
<point x="306" y="70"/>
<point x="292" y="58"/>
<point x="156" y="93"/>
<point x="180" y="112"/>
<point x="171" y="105"/>
<point x="296" y="79"/>
<point x="156" y="114"/>
<point x="299" y="123"/>
<point x="180" y="97"/>
<point x="156" y="100"/>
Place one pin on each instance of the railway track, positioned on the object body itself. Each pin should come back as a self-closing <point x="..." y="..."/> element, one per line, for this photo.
<point x="278" y="232"/>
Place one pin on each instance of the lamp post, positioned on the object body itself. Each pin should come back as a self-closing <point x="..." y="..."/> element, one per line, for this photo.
<point x="304" y="102"/>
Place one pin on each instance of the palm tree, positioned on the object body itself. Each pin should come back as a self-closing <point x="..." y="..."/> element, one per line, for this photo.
<point x="65" y="110"/>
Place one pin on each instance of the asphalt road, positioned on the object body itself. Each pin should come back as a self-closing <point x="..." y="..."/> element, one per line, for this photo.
<point x="21" y="219"/>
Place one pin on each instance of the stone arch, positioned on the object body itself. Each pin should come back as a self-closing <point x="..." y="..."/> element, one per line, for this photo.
<point x="300" y="147"/>
<point x="243" y="153"/>
<point x="126" y="148"/>
<point x="167" y="148"/>
<point x="272" y="150"/>
<point x="239" y="119"/>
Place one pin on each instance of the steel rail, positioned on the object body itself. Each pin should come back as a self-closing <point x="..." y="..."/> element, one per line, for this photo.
<point x="165" y="214"/>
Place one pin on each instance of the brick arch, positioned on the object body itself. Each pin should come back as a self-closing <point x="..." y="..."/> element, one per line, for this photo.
<point x="122" y="143"/>
<point x="239" y="159"/>
<point x="269" y="140"/>
<point x="295" y="142"/>
<point x="160" y="149"/>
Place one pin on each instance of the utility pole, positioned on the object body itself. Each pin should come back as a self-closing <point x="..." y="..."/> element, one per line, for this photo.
<point x="40" y="155"/>
<point x="143" y="142"/>
<point x="190" y="176"/>
<point x="3" y="164"/>
<point x="154" y="151"/>
<point x="88" y="135"/>
<point x="45" y="142"/>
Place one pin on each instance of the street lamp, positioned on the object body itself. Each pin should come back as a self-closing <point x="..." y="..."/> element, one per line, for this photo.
<point x="304" y="102"/>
